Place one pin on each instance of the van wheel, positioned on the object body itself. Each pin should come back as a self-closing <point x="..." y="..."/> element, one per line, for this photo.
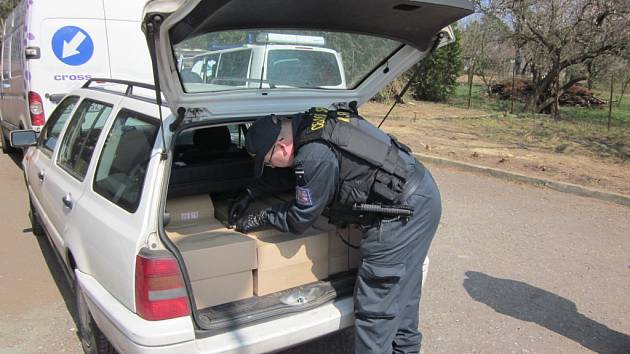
<point x="6" y="149"/>
<point x="36" y="226"/>
<point x="93" y="340"/>
<point x="3" y="140"/>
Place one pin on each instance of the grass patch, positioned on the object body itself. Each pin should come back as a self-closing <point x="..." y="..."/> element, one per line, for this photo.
<point x="596" y="116"/>
<point x="539" y="132"/>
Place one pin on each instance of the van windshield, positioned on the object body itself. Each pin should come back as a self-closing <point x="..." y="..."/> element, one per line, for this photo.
<point x="238" y="60"/>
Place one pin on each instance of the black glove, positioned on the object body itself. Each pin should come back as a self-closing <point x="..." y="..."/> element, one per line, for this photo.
<point x="238" y="207"/>
<point x="252" y="222"/>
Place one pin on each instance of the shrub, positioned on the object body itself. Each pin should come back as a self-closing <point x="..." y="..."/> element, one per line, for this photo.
<point x="437" y="81"/>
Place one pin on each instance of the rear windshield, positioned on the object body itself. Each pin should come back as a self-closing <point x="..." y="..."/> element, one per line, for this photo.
<point x="240" y="60"/>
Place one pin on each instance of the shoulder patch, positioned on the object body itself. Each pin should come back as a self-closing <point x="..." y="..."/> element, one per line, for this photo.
<point x="303" y="196"/>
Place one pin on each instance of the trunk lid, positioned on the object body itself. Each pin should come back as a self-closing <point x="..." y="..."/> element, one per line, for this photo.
<point x="226" y="58"/>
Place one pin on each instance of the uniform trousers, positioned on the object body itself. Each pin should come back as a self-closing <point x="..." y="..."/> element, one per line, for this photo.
<point x="389" y="282"/>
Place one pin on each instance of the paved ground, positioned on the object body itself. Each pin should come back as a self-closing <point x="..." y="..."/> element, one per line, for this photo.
<point x="514" y="269"/>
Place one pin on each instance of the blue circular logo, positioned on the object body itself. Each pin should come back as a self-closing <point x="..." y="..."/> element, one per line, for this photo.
<point x="72" y="45"/>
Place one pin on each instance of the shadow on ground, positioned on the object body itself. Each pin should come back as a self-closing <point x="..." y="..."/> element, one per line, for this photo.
<point x="529" y="303"/>
<point x="58" y="275"/>
<point x="341" y="342"/>
<point x="16" y="157"/>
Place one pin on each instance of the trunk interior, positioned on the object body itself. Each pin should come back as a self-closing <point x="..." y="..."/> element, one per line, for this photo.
<point x="239" y="279"/>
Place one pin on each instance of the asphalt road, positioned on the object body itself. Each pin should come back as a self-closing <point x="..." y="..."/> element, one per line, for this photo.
<point x="514" y="269"/>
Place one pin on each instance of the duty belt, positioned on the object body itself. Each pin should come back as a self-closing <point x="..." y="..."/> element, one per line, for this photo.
<point x="371" y="212"/>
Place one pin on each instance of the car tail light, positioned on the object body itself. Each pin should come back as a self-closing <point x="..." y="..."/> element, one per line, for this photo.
<point x="36" y="107"/>
<point x="160" y="290"/>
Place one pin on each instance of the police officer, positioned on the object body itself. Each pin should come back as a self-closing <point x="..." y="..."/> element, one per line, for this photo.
<point x="352" y="172"/>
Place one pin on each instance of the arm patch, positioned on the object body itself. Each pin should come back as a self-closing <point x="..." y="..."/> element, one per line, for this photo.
<point x="303" y="196"/>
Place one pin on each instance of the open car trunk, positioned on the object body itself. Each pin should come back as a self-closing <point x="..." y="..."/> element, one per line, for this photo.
<point x="239" y="279"/>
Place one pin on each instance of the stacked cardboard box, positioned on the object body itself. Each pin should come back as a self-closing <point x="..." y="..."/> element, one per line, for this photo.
<point x="287" y="260"/>
<point x="190" y="215"/>
<point x="224" y="265"/>
<point x="219" y="261"/>
<point x="219" y="265"/>
<point x="284" y="260"/>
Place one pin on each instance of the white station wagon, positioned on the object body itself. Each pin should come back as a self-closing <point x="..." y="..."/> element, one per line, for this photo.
<point x="132" y="191"/>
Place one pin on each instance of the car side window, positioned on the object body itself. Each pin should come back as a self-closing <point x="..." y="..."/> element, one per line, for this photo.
<point x="50" y="134"/>
<point x="123" y="163"/>
<point x="81" y="136"/>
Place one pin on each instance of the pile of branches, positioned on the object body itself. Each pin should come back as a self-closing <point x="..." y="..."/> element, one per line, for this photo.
<point x="575" y="95"/>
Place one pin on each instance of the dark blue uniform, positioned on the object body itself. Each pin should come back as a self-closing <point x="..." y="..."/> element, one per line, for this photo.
<point x="387" y="291"/>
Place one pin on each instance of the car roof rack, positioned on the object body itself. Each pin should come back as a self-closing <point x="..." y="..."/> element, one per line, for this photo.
<point x="128" y="91"/>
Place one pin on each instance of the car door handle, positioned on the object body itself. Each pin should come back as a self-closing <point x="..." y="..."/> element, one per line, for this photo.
<point x="67" y="201"/>
<point x="41" y="175"/>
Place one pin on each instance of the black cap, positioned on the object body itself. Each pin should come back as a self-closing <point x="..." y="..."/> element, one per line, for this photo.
<point x="260" y="138"/>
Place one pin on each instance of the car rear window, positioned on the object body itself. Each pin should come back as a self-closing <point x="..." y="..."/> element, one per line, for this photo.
<point x="122" y="167"/>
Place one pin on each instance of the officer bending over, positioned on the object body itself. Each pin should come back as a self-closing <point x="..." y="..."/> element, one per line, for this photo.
<point x="352" y="172"/>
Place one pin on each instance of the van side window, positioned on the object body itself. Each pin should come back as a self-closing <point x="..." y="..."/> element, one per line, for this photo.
<point x="79" y="139"/>
<point x="50" y="134"/>
<point x="123" y="163"/>
<point x="233" y="68"/>
<point x="6" y="58"/>
<point x="17" y="52"/>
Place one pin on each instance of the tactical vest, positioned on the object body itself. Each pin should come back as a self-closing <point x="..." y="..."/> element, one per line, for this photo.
<point x="370" y="167"/>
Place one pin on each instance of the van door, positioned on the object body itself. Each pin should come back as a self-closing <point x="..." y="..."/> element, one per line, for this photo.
<point x="64" y="184"/>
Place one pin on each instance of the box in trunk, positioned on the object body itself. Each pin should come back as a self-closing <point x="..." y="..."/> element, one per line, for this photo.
<point x="354" y="238"/>
<point x="267" y="281"/>
<point x="190" y="211"/>
<point x="286" y="260"/>
<point x="216" y="253"/>
<point x="223" y="289"/>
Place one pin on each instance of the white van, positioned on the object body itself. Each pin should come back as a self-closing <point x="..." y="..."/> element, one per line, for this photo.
<point x="272" y="60"/>
<point x="52" y="47"/>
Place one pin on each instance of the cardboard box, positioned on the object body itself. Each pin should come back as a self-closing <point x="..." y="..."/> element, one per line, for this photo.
<point x="354" y="237"/>
<point x="223" y="289"/>
<point x="337" y="251"/>
<point x="216" y="253"/>
<point x="338" y="264"/>
<point x="267" y="281"/>
<point x="285" y="249"/>
<point x="286" y="260"/>
<point x="188" y="211"/>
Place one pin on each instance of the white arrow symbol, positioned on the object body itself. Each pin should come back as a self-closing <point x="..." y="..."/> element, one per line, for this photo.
<point x="70" y="48"/>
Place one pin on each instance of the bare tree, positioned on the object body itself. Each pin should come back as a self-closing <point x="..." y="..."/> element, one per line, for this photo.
<point x="487" y="49"/>
<point x="555" y="35"/>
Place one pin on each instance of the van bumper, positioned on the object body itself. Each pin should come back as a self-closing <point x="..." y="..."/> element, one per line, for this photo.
<point x="131" y="334"/>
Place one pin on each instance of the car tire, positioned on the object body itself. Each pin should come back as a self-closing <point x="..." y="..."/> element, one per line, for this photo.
<point x="36" y="227"/>
<point x="92" y="339"/>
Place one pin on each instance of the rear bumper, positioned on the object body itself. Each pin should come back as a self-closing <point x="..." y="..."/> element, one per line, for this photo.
<point x="132" y="334"/>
